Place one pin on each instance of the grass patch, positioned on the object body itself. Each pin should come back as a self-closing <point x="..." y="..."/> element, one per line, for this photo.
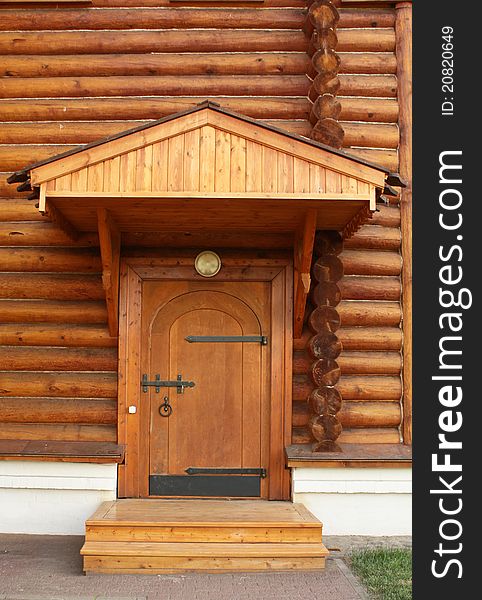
<point x="386" y="573"/>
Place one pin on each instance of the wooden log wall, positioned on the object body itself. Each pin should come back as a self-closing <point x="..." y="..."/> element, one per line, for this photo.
<point x="370" y="311"/>
<point x="69" y="75"/>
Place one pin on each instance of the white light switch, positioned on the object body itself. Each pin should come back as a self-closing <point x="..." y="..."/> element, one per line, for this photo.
<point x="132" y="410"/>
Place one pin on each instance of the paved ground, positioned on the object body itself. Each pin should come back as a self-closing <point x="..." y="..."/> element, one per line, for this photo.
<point x="50" y="568"/>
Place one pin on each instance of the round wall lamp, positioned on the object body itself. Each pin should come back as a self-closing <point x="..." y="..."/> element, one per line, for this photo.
<point x="207" y="263"/>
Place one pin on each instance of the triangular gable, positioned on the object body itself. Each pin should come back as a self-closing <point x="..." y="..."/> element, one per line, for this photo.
<point x="205" y="138"/>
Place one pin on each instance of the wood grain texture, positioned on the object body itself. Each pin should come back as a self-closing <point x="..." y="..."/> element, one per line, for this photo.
<point x="404" y="74"/>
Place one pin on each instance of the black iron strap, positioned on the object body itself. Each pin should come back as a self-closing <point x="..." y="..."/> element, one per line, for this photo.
<point x="260" y="339"/>
<point x="224" y="471"/>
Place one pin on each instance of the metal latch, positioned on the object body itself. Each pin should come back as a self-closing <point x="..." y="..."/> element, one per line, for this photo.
<point x="224" y="471"/>
<point x="260" y="339"/>
<point x="157" y="384"/>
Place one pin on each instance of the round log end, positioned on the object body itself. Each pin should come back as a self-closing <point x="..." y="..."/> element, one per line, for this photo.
<point x="328" y="268"/>
<point x="325" y="371"/>
<point x="325" y="428"/>
<point x="325" y="401"/>
<point x="325" y="345"/>
<point x="326" y="107"/>
<point x="326" y="83"/>
<point x="324" y="318"/>
<point x="326" y="62"/>
<point x="328" y="242"/>
<point x="328" y="132"/>
<point x="323" y="14"/>
<point x="326" y="446"/>
<point x="326" y="294"/>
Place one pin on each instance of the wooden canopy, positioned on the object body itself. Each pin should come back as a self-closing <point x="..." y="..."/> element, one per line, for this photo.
<point x="205" y="170"/>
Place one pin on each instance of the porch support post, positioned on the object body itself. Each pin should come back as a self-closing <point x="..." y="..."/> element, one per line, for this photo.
<point x="110" y="242"/>
<point x="324" y="347"/>
<point x="302" y="263"/>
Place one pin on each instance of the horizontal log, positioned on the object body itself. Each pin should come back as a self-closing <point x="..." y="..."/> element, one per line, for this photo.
<point x="217" y="3"/>
<point x="154" y="18"/>
<point x="302" y="387"/>
<point x="58" y="432"/>
<point x="78" y="260"/>
<point x="354" y="363"/>
<point x="370" y="387"/>
<point x="300" y="344"/>
<point x="44" y="311"/>
<point x="14" y="157"/>
<point x="375" y="63"/>
<point x="162" y="18"/>
<point x="72" y="385"/>
<point x="355" y="414"/>
<point x="51" y="286"/>
<point x="366" y="40"/>
<point x="375" y="110"/>
<point x="354" y="17"/>
<point x="375" y="237"/>
<point x="75" y="132"/>
<point x="189" y="85"/>
<point x="376" y="435"/>
<point x="370" y="338"/>
<point x="355" y="287"/>
<point x="371" y="262"/>
<point x="369" y="134"/>
<point x="382" y="86"/>
<point x="171" y="40"/>
<point x="89" y="109"/>
<point x="383" y="158"/>
<point x="221" y="3"/>
<point x="369" y="363"/>
<point x="41" y="234"/>
<point x="353" y="312"/>
<point x="208" y="64"/>
<point x="8" y="191"/>
<point x="386" y="216"/>
<point x="50" y="334"/>
<point x="293" y="63"/>
<point x="19" y="209"/>
<point x="39" y="358"/>
<point x="58" y="410"/>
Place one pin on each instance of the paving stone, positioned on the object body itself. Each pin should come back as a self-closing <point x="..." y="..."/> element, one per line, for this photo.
<point x="38" y="567"/>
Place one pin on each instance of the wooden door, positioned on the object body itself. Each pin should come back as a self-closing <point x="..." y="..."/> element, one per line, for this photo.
<point x="215" y="442"/>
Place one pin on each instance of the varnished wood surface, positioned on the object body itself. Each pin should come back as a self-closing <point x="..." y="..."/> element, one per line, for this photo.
<point x="222" y="421"/>
<point x="151" y="536"/>
<point x="275" y="413"/>
<point x="57" y="450"/>
<point x="202" y="512"/>
<point x="138" y="549"/>
<point x="60" y="122"/>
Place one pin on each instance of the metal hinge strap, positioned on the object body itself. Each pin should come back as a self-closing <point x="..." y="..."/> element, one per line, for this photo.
<point x="260" y="339"/>
<point x="225" y="471"/>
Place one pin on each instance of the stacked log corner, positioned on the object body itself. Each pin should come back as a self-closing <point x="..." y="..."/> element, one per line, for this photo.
<point x="324" y="346"/>
<point x="325" y="112"/>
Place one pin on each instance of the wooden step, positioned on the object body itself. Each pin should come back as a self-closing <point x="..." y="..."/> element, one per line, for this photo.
<point x="203" y="521"/>
<point x="138" y="557"/>
<point x="173" y="536"/>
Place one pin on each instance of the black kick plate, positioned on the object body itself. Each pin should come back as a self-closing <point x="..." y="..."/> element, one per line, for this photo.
<point x="205" y="485"/>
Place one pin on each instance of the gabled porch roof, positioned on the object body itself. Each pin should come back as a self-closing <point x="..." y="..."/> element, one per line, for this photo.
<point x="207" y="169"/>
<point x="203" y="171"/>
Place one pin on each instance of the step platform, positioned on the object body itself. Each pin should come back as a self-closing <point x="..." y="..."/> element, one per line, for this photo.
<point x="180" y="536"/>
